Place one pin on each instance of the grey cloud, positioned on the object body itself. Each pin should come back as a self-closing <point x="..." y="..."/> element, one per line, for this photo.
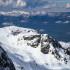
<point x="22" y="3"/>
<point x="35" y="3"/>
<point x="12" y="3"/>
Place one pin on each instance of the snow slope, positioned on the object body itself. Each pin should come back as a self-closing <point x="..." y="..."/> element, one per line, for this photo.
<point x="26" y="54"/>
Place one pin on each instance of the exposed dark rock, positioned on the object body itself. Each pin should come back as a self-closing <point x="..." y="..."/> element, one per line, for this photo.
<point x="68" y="51"/>
<point x="34" y="43"/>
<point x="5" y="62"/>
<point x="48" y="44"/>
<point x="56" y="44"/>
<point x="56" y="54"/>
<point x="65" y="61"/>
<point x="15" y="32"/>
<point x="44" y="44"/>
<point x="45" y="50"/>
<point x="31" y="37"/>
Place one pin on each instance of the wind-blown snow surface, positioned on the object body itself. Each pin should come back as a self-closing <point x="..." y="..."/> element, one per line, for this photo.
<point x="25" y="57"/>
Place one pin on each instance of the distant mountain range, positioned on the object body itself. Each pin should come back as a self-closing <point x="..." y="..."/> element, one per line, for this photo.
<point x="20" y="13"/>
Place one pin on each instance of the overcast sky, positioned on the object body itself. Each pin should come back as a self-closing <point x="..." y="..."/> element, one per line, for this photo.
<point x="48" y="5"/>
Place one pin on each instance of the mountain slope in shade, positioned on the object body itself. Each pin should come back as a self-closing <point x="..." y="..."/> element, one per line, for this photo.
<point x="5" y="61"/>
<point x="30" y="50"/>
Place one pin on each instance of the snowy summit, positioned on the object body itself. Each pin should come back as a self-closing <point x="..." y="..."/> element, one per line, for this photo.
<point x="26" y="49"/>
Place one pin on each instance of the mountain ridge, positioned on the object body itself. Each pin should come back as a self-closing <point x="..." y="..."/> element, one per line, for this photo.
<point x="26" y="14"/>
<point x="30" y="50"/>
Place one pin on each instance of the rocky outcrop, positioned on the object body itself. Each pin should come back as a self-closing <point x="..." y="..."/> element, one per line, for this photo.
<point x="44" y="44"/>
<point x="15" y="32"/>
<point x="32" y="40"/>
<point x="5" y="61"/>
<point x="68" y="50"/>
<point x="49" y="45"/>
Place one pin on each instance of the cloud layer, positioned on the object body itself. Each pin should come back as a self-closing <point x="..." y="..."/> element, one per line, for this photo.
<point x="55" y="5"/>
<point x="60" y="22"/>
<point x="12" y="3"/>
<point x="22" y="3"/>
<point x="7" y="24"/>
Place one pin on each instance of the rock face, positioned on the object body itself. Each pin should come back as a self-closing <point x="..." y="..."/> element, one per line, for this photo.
<point x="49" y="45"/>
<point x="33" y="40"/>
<point x="68" y="51"/>
<point x="5" y="62"/>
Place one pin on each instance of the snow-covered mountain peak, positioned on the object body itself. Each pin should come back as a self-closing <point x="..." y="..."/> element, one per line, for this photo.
<point x="30" y="50"/>
<point x="14" y="13"/>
